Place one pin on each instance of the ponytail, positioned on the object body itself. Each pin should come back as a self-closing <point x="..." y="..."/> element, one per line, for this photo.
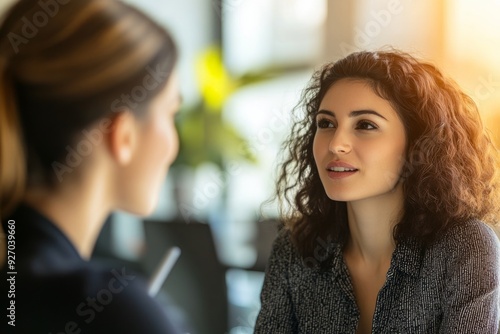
<point x="12" y="154"/>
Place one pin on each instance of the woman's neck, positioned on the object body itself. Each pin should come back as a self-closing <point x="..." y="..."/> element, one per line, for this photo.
<point x="371" y="222"/>
<point x="78" y="210"/>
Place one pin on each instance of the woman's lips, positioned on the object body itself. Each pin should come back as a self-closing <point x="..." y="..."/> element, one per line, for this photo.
<point x="340" y="175"/>
<point x="340" y="169"/>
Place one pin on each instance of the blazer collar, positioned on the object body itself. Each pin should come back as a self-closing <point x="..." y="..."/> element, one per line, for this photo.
<point x="407" y="258"/>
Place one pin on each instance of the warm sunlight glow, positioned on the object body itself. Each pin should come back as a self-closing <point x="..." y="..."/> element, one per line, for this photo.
<point x="473" y="31"/>
<point x="472" y="49"/>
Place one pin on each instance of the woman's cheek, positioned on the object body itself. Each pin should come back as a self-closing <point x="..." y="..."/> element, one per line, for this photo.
<point x="172" y="143"/>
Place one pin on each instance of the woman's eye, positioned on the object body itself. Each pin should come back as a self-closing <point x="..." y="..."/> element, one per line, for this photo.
<point x="324" y="123"/>
<point x="365" y="125"/>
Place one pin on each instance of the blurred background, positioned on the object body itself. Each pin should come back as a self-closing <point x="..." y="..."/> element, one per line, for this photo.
<point x="243" y="66"/>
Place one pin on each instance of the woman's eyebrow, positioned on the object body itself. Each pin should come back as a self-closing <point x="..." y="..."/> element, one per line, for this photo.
<point x="323" y="111"/>
<point x="365" y="112"/>
<point x="354" y="113"/>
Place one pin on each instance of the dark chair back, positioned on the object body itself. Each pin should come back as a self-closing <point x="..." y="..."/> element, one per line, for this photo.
<point x="197" y="282"/>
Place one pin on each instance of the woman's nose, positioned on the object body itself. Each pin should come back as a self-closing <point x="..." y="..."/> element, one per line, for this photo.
<point x="340" y="143"/>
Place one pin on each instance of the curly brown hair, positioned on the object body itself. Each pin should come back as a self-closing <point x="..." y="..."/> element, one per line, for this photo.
<point x="450" y="174"/>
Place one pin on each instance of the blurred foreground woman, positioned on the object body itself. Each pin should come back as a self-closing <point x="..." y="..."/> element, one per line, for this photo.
<point x="88" y="94"/>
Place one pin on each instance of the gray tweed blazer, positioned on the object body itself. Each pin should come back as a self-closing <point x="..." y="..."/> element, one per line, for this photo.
<point x="449" y="287"/>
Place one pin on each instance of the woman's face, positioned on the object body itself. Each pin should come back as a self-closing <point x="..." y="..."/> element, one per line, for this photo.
<point x="359" y="143"/>
<point x="157" y="148"/>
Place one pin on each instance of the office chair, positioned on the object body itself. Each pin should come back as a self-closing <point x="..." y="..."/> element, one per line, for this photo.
<point x="197" y="282"/>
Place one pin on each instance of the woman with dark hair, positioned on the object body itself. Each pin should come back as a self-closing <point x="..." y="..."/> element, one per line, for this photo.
<point x="390" y="180"/>
<point x="88" y="94"/>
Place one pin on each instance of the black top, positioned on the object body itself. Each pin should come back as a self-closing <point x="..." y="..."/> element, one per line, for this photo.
<point x="56" y="291"/>
<point x="452" y="286"/>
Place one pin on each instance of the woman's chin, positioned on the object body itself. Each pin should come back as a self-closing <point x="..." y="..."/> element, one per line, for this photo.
<point x="142" y="209"/>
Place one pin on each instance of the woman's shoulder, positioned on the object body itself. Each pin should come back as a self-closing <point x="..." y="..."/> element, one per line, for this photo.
<point x="94" y="298"/>
<point x="284" y="246"/>
<point x="285" y="249"/>
<point x="473" y="240"/>
<point x="283" y="238"/>
<point x="470" y="234"/>
<point x="124" y="293"/>
<point x="283" y="252"/>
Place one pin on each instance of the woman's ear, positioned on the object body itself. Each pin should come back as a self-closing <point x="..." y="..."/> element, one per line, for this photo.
<point x="122" y="137"/>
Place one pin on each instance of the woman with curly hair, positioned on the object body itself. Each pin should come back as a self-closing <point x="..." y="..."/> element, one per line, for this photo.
<point x="390" y="180"/>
